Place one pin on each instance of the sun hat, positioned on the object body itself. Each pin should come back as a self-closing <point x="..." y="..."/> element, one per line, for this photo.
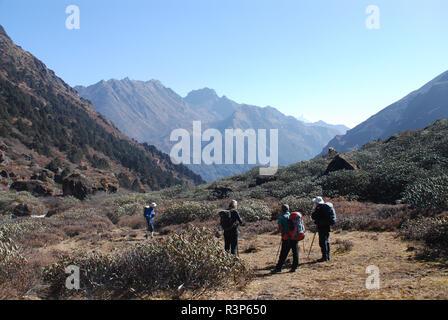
<point x="153" y="205"/>
<point x="318" y="200"/>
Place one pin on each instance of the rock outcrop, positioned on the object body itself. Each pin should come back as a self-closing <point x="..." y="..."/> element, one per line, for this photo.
<point x="341" y="162"/>
<point x="78" y="186"/>
<point x="43" y="175"/>
<point x="137" y="186"/>
<point x="107" y="184"/>
<point x="35" y="187"/>
<point x="30" y="208"/>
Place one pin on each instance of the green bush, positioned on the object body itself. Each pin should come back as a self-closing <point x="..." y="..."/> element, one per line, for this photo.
<point x="301" y="170"/>
<point x="258" y="193"/>
<point x="186" y="211"/>
<point x="12" y="264"/>
<point x="302" y="205"/>
<point x="128" y="205"/>
<point x="431" y="193"/>
<point x="8" y="197"/>
<point x="193" y="260"/>
<point x="299" y="188"/>
<point x="9" y="254"/>
<point x="389" y="180"/>
<point x="254" y="210"/>
<point x="20" y="228"/>
<point x="350" y="184"/>
<point x="433" y="232"/>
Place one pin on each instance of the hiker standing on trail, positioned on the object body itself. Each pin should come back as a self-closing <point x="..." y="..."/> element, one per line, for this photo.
<point x="324" y="216"/>
<point x="150" y="215"/>
<point x="230" y="219"/>
<point x="288" y="242"/>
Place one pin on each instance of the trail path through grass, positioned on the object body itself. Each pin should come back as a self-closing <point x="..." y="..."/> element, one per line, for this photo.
<point x="344" y="276"/>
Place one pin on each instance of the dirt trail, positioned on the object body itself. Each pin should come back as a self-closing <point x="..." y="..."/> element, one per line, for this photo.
<point x="344" y="276"/>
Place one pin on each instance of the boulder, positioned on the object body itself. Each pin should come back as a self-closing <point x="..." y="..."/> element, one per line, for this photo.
<point x="107" y="184"/>
<point x="4" y="174"/>
<point x="77" y="185"/>
<point x="27" y="209"/>
<point x="27" y="157"/>
<point x="332" y="152"/>
<point x="59" y="175"/>
<point x="35" y="187"/>
<point x="3" y="146"/>
<point x="44" y="175"/>
<point x="341" y="162"/>
<point x="22" y="210"/>
<point x="124" y="181"/>
<point x="2" y="156"/>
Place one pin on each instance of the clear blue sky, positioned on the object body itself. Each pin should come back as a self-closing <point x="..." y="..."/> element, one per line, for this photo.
<point x="313" y="57"/>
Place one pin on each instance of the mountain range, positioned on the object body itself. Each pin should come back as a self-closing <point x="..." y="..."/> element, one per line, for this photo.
<point x="148" y="112"/>
<point x="45" y="124"/>
<point x="417" y="110"/>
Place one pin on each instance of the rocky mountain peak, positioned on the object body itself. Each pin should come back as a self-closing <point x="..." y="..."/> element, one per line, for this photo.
<point x="201" y="96"/>
<point x="2" y="31"/>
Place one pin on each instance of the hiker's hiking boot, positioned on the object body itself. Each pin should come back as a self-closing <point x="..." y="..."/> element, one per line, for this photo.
<point x="276" y="270"/>
<point x="323" y="259"/>
<point x="293" y="270"/>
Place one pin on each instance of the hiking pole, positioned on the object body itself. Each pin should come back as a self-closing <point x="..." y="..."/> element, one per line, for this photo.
<point x="309" y="252"/>
<point x="304" y="240"/>
<point x="278" y="251"/>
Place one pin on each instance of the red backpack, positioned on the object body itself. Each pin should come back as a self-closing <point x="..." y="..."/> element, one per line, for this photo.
<point x="296" y="227"/>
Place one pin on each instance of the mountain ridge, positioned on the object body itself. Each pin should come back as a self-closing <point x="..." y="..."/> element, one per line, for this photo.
<point x="151" y="116"/>
<point x="416" y="110"/>
<point x="48" y="121"/>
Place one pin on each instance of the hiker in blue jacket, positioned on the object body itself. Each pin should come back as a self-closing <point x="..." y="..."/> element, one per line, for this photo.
<point x="324" y="216"/>
<point x="150" y="215"/>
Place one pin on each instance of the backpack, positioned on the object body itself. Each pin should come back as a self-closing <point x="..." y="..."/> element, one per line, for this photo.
<point x="331" y="213"/>
<point x="146" y="212"/>
<point x="225" y="217"/>
<point x="296" y="228"/>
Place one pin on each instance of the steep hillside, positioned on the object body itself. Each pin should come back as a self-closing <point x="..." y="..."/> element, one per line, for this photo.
<point x="415" y="111"/>
<point x="148" y="112"/>
<point x="409" y="167"/>
<point x="44" y="120"/>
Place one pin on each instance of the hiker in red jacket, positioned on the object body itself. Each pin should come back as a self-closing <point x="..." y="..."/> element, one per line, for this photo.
<point x="288" y="242"/>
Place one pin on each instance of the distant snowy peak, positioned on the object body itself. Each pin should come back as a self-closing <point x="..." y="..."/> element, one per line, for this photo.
<point x="304" y="118"/>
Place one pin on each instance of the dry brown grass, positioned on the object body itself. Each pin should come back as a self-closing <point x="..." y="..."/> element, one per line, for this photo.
<point x="134" y="222"/>
<point x="344" y="277"/>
